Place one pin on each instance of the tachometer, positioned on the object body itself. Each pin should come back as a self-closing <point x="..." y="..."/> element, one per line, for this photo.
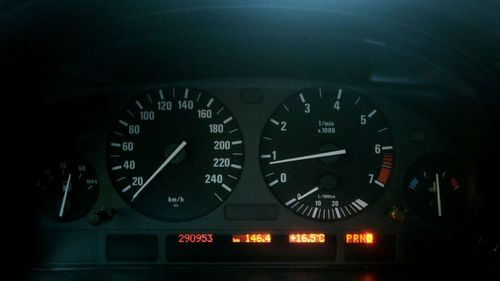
<point x="175" y="154"/>
<point x="327" y="154"/>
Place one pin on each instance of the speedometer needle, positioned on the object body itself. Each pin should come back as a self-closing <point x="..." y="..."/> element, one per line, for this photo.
<point x="312" y="156"/>
<point x="165" y="163"/>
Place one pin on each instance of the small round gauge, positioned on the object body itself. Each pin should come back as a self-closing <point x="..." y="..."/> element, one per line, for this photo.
<point x="327" y="153"/>
<point x="69" y="190"/>
<point x="175" y="154"/>
<point x="434" y="188"/>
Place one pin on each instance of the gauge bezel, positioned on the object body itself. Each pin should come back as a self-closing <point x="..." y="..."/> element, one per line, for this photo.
<point x="393" y="152"/>
<point x="205" y="95"/>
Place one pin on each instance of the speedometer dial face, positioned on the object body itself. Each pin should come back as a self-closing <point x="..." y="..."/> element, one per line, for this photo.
<point x="327" y="154"/>
<point x="175" y="154"/>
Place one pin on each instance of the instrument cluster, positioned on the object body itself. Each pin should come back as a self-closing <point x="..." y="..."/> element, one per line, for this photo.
<point x="215" y="170"/>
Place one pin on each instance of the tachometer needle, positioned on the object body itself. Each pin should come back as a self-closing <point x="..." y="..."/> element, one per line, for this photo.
<point x="438" y="194"/>
<point x="165" y="163"/>
<point x="65" y="196"/>
<point x="312" y="156"/>
<point x="300" y="197"/>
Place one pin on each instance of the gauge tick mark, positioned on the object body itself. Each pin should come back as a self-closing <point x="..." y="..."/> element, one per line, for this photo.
<point x="139" y="105"/>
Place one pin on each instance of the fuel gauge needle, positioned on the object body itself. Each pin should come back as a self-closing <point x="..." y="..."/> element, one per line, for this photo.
<point x="162" y="166"/>
<point x="65" y="196"/>
<point x="438" y="194"/>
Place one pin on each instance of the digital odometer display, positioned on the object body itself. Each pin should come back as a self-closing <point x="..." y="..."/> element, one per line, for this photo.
<point x="327" y="153"/>
<point x="251" y="247"/>
<point x="258" y="247"/>
<point x="175" y="154"/>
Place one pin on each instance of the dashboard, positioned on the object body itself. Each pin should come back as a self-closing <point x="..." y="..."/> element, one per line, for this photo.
<point x="250" y="141"/>
<point x="269" y="159"/>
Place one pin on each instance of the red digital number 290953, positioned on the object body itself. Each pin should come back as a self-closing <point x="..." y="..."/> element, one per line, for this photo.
<point x="195" y="238"/>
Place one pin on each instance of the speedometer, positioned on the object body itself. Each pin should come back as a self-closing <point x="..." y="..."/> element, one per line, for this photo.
<point x="327" y="154"/>
<point x="175" y="154"/>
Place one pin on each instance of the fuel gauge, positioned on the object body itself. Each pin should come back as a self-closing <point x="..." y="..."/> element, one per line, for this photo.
<point x="69" y="190"/>
<point x="434" y="188"/>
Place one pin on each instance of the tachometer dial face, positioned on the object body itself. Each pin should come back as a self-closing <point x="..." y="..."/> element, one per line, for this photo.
<point x="69" y="190"/>
<point x="327" y="154"/>
<point x="175" y="154"/>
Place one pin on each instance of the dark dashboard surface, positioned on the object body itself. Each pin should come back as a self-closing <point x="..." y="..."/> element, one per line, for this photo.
<point x="338" y="140"/>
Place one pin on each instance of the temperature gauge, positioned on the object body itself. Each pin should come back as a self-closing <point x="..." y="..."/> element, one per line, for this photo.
<point x="69" y="190"/>
<point x="434" y="188"/>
